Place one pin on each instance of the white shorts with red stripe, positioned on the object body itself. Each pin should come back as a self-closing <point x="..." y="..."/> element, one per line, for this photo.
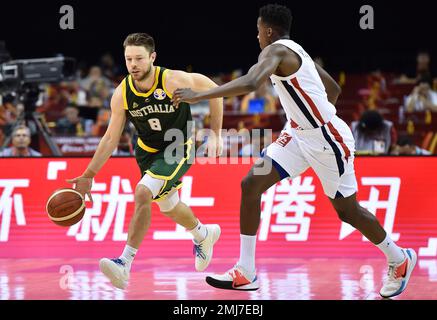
<point x="329" y="150"/>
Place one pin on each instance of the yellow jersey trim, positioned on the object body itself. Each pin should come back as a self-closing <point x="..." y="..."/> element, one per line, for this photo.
<point x="153" y="88"/>
<point x="164" y="75"/>
<point x="162" y="189"/>
<point x="123" y="90"/>
<point x="146" y="147"/>
<point x="187" y="155"/>
<point x="164" y="196"/>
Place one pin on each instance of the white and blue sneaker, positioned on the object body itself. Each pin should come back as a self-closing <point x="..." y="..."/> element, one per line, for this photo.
<point x="399" y="274"/>
<point x="116" y="270"/>
<point x="203" y="250"/>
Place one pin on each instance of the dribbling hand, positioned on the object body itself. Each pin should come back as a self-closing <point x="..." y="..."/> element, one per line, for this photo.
<point x="83" y="186"/>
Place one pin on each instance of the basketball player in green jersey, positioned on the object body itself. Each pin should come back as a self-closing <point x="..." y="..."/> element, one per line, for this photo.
<point x="144" y="97"/>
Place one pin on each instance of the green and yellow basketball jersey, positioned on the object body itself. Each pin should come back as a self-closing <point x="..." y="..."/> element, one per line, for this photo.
<point x="152" y="113"/>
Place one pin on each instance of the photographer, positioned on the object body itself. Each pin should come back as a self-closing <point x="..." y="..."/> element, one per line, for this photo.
<point x="373" y="134"/>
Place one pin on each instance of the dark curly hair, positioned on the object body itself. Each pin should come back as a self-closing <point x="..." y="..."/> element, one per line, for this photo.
<point x="277" y="17"/>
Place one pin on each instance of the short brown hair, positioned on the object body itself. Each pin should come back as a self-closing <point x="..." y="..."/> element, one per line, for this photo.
<point x="140" y="39"/>
<point x="21" y="127"/>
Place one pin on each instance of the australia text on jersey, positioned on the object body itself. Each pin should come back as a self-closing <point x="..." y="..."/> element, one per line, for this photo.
<point x="156" y="108"/>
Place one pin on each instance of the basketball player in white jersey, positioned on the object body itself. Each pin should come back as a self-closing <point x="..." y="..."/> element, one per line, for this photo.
<point x="313" y="137"/>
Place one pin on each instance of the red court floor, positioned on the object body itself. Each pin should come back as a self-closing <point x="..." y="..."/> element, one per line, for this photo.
<point x="175" y="279"/>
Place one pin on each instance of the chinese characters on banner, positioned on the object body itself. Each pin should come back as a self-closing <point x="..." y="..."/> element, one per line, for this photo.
<point x="297" y="219"/>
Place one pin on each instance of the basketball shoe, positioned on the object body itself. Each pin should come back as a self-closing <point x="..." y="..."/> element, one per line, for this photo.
<point x="203" y="250"/>
<point x="399" y="274"/>
<point x="237" y="278"/>
<point x="116" y="270"/>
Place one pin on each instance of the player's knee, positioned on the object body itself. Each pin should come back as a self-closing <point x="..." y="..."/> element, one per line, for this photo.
<point x="169" y="214"/>
<point x="168" y="205"/>
<point x="143" y="196"/>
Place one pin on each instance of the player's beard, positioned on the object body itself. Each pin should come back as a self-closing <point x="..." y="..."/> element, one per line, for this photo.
<point x="146" y="74"/>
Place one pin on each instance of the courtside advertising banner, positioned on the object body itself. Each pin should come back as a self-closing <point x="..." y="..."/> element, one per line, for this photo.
<point x="297" y="219"/>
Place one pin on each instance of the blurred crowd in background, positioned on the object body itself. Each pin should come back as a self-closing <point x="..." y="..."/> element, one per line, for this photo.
<point x="389" y="114"/>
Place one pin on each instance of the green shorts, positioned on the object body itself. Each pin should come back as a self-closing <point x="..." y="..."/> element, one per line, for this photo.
<point x="155" y="165"/>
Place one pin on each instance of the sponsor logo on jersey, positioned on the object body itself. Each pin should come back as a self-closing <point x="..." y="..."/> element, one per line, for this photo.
<point x="134" y="105"/>
<point x="159" y="94"/>
<point x="283" y="139"/>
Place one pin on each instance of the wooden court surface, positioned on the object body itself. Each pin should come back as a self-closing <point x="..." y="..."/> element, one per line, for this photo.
<point x="176" y="279"/>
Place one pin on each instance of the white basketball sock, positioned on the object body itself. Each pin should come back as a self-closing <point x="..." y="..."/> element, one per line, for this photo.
<point x="247" y="252"/>
<point x="199" y="232"/>
<point x="128" y="255"/>
<point x="393" y="253"/>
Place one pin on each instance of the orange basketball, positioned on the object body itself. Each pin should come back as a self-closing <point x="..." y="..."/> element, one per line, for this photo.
<point x="65" y="207"/>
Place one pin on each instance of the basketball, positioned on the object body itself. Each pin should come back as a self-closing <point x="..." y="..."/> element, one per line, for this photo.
<point x="65" y="207"/>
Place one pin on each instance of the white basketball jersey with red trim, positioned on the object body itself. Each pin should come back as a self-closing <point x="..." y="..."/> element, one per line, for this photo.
<point x="303" y="94"/>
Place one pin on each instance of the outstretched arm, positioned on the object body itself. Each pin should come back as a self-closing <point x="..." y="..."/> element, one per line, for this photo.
<point x="199" y="82"/>
<point x="268" y="62"/>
